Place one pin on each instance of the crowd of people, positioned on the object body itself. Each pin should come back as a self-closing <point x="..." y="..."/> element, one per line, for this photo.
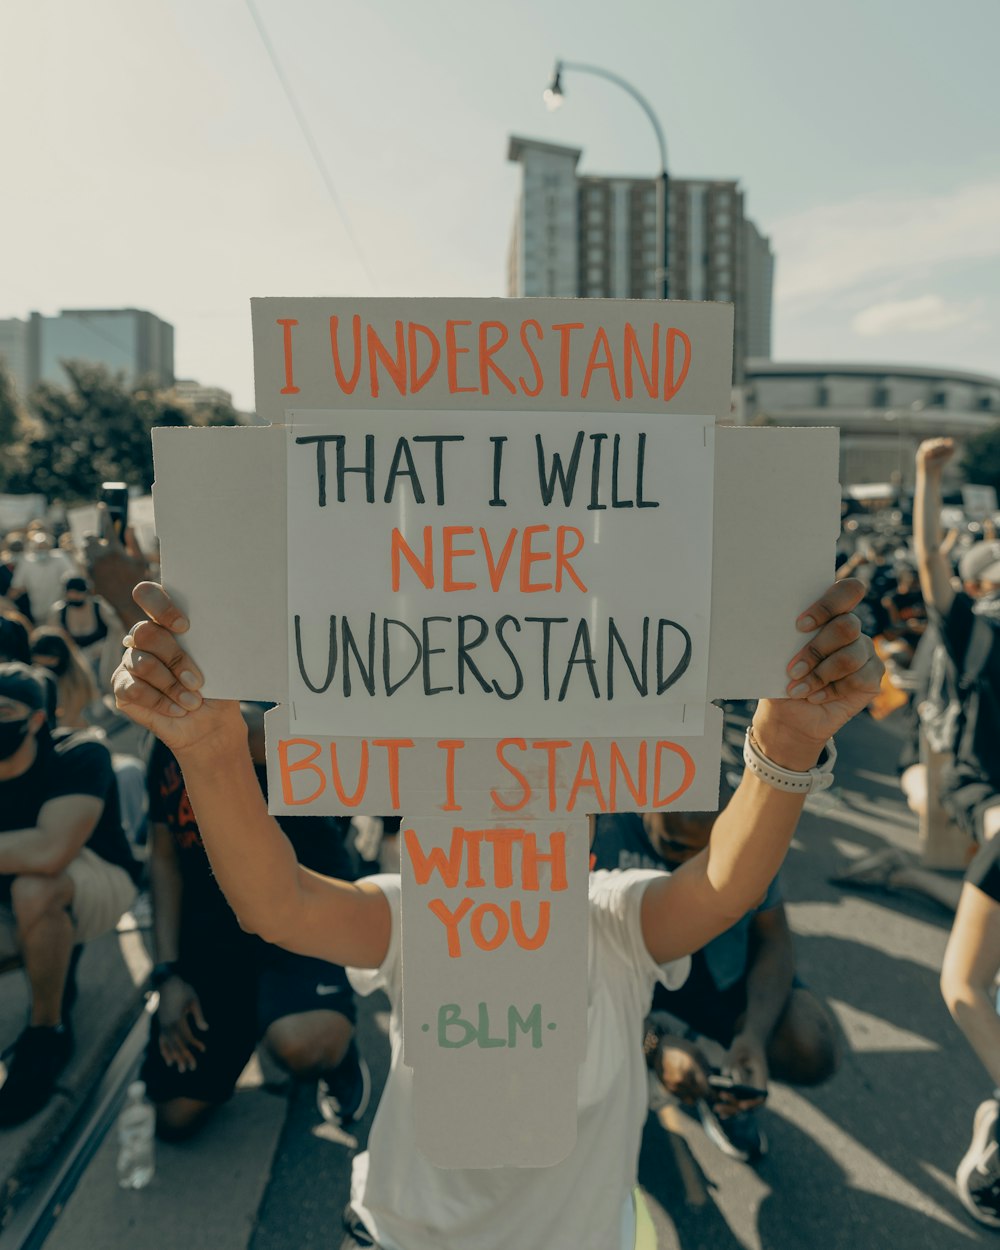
<point x="691" y="947"/>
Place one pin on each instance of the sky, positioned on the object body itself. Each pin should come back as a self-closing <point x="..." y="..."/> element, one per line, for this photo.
<point x="152" y="158"/>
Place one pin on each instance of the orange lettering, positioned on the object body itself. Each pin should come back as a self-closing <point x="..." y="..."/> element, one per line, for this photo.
<point x="565" y="331"/>
<point x="476" y="926"/>
<point x="450" y="745"/>
<point x="586" y="779"/>
<point x="453" y="351"/>
<point x="518" y="776"/>
<point x="396" y="367"/>
<point x="286" y="769"/>
<point x="563" y="556"/>
<point x="359" y="793"/>
<point x="447" y="864"/>
<point x="670" y="385"/>
<point x="487" y="365"/>
<point x="600" y="340"/>
<point x="450" y="920"/>
<point x="393" y="747"/>
<point x="419" y="380"/>
<point x="530" y="557"/>
<point x="638" y="791"/>
<point x="496" y="571"/>
<point x="345" y="384"/>
<point x="541" y="933"/>
<point x="286" y="324"/>
<point x="502" y="841"/>
<point x="632" y="351"/>
<point x="531" y="857"/>
<point x="539" y="379"/>
<point x="448" y="534"/>
<point x="689" y="771"/>
<point x="550" y="748"/>
<point x="425" y="569"/>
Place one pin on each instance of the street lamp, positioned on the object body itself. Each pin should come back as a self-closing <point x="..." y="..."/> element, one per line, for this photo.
<point x="553" y="96"/>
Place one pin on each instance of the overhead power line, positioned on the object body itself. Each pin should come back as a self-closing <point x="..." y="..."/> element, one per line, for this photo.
<point x="310" y="142"/>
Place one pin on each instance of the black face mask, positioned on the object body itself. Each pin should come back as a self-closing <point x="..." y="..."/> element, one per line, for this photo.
<point x="75" y="603"/>
<point x="12" y="735"/>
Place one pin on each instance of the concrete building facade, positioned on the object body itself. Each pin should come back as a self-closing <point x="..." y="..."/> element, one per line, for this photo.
<point x="592" y="235"/>
<point x="129" y="341"/>
<point x="883" y="411"/>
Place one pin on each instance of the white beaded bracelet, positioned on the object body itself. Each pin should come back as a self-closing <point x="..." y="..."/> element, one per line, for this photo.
<point x="810" y="782"/>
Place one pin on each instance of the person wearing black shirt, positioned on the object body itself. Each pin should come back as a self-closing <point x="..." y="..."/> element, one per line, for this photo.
<point x="66" y="872"/>
<point x="221" y="989"/>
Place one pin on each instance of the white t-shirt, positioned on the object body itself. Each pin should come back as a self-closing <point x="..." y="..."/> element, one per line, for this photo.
<point x="582" y="1203"/>
<point x="42" y="578"/>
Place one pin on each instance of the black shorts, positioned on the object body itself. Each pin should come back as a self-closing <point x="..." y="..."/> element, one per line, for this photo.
<point x="240" y="1001"/>
<point x="707" y="1010"/>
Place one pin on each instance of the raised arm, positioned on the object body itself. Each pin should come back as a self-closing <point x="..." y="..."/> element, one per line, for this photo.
<point x="830" y="680"/>
<point x="157" y="686"/>
<point x="932" y="565"/>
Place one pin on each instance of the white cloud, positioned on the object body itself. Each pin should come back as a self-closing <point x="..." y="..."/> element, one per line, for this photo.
<point x="835" y="248"/>
<point x="922" y="313"/>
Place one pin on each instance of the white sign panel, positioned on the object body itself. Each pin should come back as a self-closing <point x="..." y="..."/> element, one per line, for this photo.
<point x="513" y="575"/>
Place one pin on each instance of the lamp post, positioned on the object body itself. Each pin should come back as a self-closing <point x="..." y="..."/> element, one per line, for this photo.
<point x="553" y="97"/>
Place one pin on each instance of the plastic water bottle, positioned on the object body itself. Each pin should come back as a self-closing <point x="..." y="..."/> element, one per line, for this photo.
<point x="136" y="1128"/>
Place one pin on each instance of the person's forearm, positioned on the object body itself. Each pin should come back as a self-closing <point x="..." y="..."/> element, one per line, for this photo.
<point x="932" y="567"/>
<point x="769" y="982"/>
<point x="32" y="851"/>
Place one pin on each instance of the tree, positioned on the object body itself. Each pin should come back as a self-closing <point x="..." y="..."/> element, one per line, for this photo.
<point x="981" y="458"/>
<point x="11" y="416"/>
<point x="96" y="429"/>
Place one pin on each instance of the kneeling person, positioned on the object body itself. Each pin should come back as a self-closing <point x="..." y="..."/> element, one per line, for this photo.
<point x="222" y="990"/>
<point x="66" y="873"/>
<point x="742" y="992"/>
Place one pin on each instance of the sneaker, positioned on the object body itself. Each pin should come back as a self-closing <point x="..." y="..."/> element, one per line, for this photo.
<point x="342" y="1095"/>
<point x="978" y="1175"/>
<point x="738" y="1136"/>
<point x="33" y="1064"/>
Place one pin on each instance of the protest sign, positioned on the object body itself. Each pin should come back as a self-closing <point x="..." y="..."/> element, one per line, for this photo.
<point x="486" y="542"/>
<point x="979" y="502"/>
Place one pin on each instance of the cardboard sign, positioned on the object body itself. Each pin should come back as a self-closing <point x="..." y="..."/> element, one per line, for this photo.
<point x="379" y="495"/>
<point x="521" y="573"/>
<point x="529" y="778"/>
<point x="979" y="502"/>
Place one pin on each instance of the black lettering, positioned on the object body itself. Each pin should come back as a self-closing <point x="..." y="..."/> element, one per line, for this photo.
<point x="640" y="470"/>
<point x="439" y="441"/>
<point x="615" y="453"/>
<point x="546" y="623"/>
<point x="641" y="684"/>
<point x="567" y="477"/>
<point x="498" y="441"/>
<point x="321" y="441"/>
<point x="518" y="675"/>
<point x="581" y="642"/>
<point x="368" y="468"/>
<point x="349" y="645"/>
<point x="463" y="653"/>
<point x="595" y="476"/>
<point x="331" y="658"/>
<point x="428" y="652"/>
<point x="403" y="449"/>
<point x="390" y="686"/>
<point x="680" y="668"/>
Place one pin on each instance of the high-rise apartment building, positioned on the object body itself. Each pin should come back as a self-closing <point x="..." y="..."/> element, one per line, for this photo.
<point x="602" y="236"/>
<point x="126" y="340"/>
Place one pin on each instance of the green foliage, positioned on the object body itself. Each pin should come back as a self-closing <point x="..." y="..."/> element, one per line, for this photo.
<point x="11" y="415"/>
<point x="981" y="458"/>
<point x="95" y="429"/>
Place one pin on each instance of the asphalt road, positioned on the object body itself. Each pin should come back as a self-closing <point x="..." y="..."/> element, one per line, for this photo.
<point x="863" y="1163"/>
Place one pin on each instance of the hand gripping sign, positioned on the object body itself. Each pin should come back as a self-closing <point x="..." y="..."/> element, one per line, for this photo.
<point x="493" y="559"/>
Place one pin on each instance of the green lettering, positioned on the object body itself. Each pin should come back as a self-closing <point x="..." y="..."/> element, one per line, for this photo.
<point x="532" y="1023"/>
<point x="450" y="1016"/>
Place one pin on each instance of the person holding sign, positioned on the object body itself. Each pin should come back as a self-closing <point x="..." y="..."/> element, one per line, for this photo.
<point x="643" y="926"/>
